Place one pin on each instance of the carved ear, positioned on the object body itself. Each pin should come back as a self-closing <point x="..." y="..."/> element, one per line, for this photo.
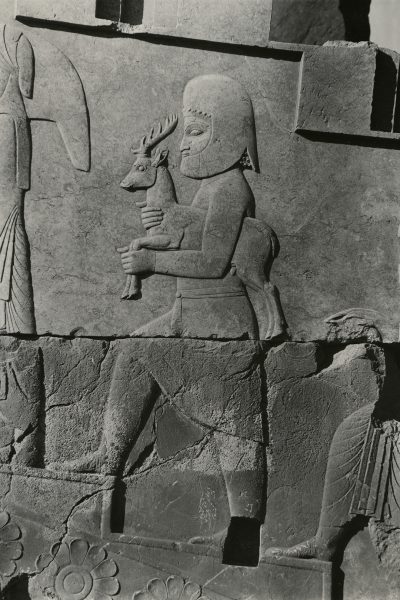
<point x="160" y="157"/>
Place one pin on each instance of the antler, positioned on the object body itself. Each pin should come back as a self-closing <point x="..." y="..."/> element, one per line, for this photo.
<point x="148" y="142"/>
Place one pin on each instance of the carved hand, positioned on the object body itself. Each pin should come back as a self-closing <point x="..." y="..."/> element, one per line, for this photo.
<point x="135" y="262"/>
<point x="151" y="216"/>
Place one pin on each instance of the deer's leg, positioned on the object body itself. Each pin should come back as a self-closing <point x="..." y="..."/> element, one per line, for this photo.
<point x="132" y="284"/>
<point x="154" y="242"/>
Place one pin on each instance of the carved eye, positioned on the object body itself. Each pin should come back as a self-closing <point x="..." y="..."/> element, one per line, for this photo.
<point x="141" y="168"/>
<point x="195" y="132"/>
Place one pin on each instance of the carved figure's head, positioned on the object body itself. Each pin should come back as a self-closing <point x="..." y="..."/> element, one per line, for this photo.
<point x="143" y="173"/>
<point x="219" y="128"/>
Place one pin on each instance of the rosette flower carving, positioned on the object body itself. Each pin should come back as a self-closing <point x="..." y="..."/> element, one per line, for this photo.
<point x="10" y="548"/>
<point x="84" y="572"/>
<point x="175" y="588"/>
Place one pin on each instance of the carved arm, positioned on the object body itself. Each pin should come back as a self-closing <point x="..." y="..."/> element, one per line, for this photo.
<point x="221" y="231"/>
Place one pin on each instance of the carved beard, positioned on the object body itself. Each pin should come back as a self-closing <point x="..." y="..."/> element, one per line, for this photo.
<point x="194" y="166"/>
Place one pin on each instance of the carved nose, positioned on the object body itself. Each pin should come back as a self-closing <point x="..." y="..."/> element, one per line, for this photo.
<point x="126" y="183"/>
<point x="185" y="146"/>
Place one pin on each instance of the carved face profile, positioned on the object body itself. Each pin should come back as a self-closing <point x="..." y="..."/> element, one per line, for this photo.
<point x="196" y="137"/>
<point x="219" y="127"/>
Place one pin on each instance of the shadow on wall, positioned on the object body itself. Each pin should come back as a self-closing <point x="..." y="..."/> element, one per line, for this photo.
<point x="125" y="11"/>
<point x="356" y="19"/>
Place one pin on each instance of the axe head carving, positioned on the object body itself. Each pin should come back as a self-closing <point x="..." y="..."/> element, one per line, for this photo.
<point x="58" y="96"/>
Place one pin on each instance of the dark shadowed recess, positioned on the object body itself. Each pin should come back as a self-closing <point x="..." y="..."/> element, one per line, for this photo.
<point x="384" y="95"/>
<point x="126" y="11"/>
<point x="242" y="543"/>
<point x="17" y="589"/>
<point x="356" y="19"/>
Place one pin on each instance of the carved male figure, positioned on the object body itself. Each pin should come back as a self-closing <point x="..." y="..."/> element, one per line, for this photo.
<point x="219" y="143"/>
<point x="171" y="227"/>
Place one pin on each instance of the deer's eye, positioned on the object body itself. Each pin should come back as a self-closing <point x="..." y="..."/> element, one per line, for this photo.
<point x="141" y="168"/>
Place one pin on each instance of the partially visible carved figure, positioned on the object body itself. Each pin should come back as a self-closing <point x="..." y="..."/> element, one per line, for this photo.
<point x="22" y="404"/>
<point x="16" y="82"/>
<point x="362" y="477"/>
<point x="18" y="74"/>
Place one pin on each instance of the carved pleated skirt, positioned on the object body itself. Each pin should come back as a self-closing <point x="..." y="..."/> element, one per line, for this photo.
<point x="16" y="294"/>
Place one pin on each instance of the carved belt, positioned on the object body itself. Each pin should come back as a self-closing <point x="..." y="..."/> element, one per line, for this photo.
<point x="199" y="293"/>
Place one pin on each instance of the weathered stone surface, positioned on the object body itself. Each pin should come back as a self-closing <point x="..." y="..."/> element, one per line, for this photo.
<point x="361" y="480"/>
<point x="310" y="394"/>
<point x="252" y="23"/>
<point x="365" y="578"/>
<point x="73" y="219"/>
<point x="207" y="418"/>
<point x="185" y="412"/>
<point x="365" y="107"/>
<point x="311" y="22"/>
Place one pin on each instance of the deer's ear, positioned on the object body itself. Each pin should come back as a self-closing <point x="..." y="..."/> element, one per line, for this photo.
<point x="160" y="157"/>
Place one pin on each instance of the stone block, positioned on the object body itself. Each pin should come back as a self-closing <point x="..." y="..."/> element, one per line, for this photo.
<point x="253" y="23"/>
<point x="73" y="13"/>
<point x="349" y="89"/>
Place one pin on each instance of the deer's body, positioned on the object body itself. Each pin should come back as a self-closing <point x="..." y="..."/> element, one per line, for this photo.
<point x="181" y="227"/>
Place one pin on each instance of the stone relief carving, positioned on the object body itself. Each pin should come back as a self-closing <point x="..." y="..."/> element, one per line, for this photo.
<point x="11" y="548"/>
<point x="211" y="302"/>
<point x="361" y="324"/>
<point x="174" y="588"/>
<point x="83" y="571"/>
<point x="21" y="74"/>
<point x="150" y="173"/>
<point x="362" y="478"/>
<point x="21" y="405"/>
<point x="215" y="247"/>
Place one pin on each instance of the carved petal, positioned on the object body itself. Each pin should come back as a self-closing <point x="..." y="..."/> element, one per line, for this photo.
<point x="191" y="591"/>
<point x="142" y="596"/>
<point x="11" y="550"/>
<point x="109" y="585"/>
<point x="175" y="586"/>
<point x="107" y="568"/>
<point x="7" y="567"/>
<point x="43" y="561"/>
<point x="62" y="556"/>
<point x="78" y="550"/>
<point x="10" y="532"/>
<point x="99" y="596"/>
<point x="94" y="557"/>
<point x="157" y="589"/>
<point x="4" y="518"/>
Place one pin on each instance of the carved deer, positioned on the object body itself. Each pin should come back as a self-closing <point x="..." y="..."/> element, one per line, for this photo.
<point x="151" y="173"/>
